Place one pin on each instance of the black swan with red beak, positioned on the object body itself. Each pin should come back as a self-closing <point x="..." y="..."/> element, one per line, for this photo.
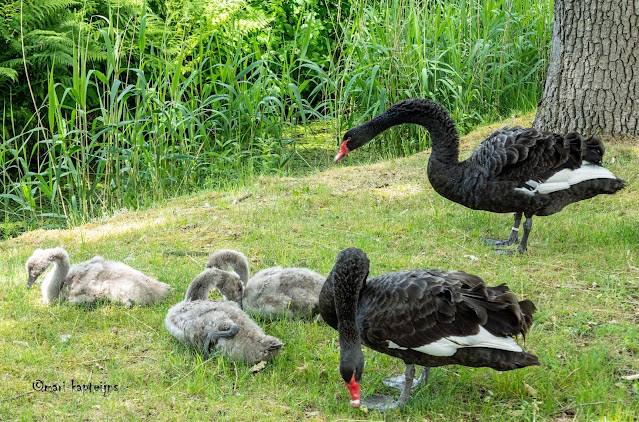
<point x="520" y="170"/>
<point x="424" y="317"/>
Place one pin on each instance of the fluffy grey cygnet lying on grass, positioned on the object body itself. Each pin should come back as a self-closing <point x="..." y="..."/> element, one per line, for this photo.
<point x="92" y="280"/>
<point x="218" y="325"/>
<point x="272" y="292"/>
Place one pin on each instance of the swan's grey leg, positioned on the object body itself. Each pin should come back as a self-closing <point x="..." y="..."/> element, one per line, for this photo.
<point x="207" y="344"/>
<point x="523" y="245"/>
<point x="128" y="304"/>
<point x="233" y="329"/>
<point x="405" y="396"/>
<point x="423" y="377"/>
<point x="398" y="382"/>
<point x="384" y="403"/>
<point x="514" y="233"/>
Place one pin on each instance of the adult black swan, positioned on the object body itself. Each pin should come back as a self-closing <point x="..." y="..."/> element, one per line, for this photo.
<point x="515" y="169"/>
<point x="424" y="317"/>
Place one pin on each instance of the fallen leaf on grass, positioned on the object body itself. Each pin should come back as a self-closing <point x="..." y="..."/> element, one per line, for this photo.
<point x="242" y="198"/>
<point x="530" y="390"/>
<point x="258" y="366"/>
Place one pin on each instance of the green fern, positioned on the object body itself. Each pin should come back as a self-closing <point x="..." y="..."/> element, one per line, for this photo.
<point x="48" y="32"/>
<point x="7" y="73"/>
<point x="195" y="22"/>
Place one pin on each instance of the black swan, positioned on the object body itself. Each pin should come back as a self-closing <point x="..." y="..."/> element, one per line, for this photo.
<point x="218" y="325"/>
<point x="272" y="292"/>
<point x="424" y="317"/>
<point x="92" y="280"/>
<point x="520" y="170"/>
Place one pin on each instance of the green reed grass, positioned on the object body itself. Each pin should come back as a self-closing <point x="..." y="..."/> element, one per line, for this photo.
<point x="155" y="132"/>
<point x="148" y="126"/>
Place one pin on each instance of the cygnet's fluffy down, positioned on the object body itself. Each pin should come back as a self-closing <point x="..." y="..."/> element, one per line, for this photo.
<point x="278" y="291"/>
<point x="92" y="280"/>
<point x="218" y="325"/>
<point x="272" y="292"/>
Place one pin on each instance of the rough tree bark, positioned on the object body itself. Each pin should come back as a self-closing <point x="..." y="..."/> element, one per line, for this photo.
<point x="592" y="84"/>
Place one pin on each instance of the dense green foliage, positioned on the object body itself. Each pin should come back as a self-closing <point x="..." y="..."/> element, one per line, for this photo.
<point x="130" y="102"/>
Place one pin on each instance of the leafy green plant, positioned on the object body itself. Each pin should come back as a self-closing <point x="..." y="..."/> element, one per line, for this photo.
<point x="141" y="107"/>
<point x="154" y="133"/>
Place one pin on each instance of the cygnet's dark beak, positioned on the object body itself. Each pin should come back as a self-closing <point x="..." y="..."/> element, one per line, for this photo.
<point x="275" y="346"/>
<point x="30" y="281"/>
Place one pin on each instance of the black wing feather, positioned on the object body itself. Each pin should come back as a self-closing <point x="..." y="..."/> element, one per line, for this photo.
<point x="519" y="154"/>
<point x="414" y="308"/>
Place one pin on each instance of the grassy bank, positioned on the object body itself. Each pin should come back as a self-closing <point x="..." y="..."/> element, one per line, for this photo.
<point x="580" y="270"/>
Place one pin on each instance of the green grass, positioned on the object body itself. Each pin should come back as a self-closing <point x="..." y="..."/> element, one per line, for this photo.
<point x="580" y="270"/>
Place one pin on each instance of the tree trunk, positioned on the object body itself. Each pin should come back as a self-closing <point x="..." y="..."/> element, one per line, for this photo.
<point x="592" y="84"/>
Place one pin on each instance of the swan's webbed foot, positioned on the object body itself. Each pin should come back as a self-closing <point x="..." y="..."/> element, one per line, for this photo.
<point x="384" y="403"/>
<point x="399" y="382"/>
<point x="504" y="251"/>
<point x="523" y="244"/>
<point x="497" y="242"/>
<point x="512" y="238"/>
<point x="381" y="403"/>
<point x="233" y="329"/>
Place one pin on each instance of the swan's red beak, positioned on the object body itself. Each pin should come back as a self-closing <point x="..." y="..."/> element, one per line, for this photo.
<point x="343" y="151"/>
<point x="353" y="388"/>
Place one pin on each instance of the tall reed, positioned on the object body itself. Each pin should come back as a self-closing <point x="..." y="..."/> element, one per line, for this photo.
<point x="146" y="127"/>
<point x="156" y="132"/>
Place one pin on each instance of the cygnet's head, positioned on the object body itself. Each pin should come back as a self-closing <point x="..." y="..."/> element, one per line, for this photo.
<point x="230" y="286"/>
<point x="266" y="349"/>
<point x="40" y="260"/>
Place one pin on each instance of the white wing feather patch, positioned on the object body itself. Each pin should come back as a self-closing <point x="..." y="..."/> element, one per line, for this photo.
<point x="565" y="178"/>
<point x="447" y="346"/>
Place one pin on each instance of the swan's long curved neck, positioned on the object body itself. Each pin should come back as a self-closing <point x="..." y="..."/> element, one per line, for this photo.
<point x="53" y="282"/>
<point x="199" y="287"/>
<point x="351" y="359"/>
<point x="228" y="258"/>
<point x="348" y="334"/>
<point x="346" y="297"/>
<point x="432" y="116"/>
<point x="240" y="267"/>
